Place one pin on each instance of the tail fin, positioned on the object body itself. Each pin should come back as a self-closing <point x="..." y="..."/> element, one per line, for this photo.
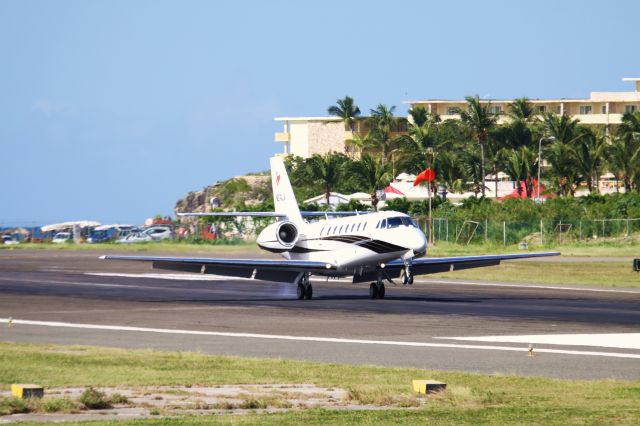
<point x="283" y="197"/>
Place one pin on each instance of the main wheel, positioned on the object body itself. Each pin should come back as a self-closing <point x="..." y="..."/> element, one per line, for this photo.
<point x="405" y="279"/>
<point x="373" y="291"/>
<point x="381" y="291"/>
<point x="300" y="291"/>
<point x="309" y="293"/>
<point x="410" y="280"/>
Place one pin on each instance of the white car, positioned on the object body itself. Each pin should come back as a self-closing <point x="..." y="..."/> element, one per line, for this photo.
<point x="8" y="240"/>
<point x="62" y="237"/>
<point x="159" y="232"/>
<point x="137" y="237"/>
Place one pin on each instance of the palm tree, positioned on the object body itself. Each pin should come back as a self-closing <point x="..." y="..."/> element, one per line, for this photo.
<point x="522" y="109"/>
<point x="480" y="121"/>
<point x="625" y="150"/>
<point x="562" y="158"/>
<point x="383" y="123"/>
<point x="356" y="144"/>
<point x="326" y="170"/>
<point x="450" y="172"/>
<point x="591" y="151"/>
<point x="417" y="147"/>
<point x="521" y="164"/>
<point x="373" y="175"/>
<point x="347" y="110"/>
<point x="561" y="127"/>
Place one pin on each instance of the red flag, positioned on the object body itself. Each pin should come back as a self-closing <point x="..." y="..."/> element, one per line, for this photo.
<point x="427" y="175"/>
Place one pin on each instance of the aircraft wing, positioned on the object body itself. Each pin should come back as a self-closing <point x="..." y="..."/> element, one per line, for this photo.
<point x="271" y="214"/>
<point x="431" y="265"/>
<point x="261" y="269"/>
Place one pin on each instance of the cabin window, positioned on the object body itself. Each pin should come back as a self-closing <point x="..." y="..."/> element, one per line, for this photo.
<point x="365" y="226"/>
<point x="358" y="228"/>
<point x="353" y="227"/>
<point x="340" y="231"/>
<point x="321" y="231"/>
<point x="383" y="223"/>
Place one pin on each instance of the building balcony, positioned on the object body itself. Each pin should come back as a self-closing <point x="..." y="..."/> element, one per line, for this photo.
<point x="283" y="137"/>
<point x="598" y="118"/>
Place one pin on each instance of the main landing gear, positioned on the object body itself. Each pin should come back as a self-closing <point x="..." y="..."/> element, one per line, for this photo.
<point x="305" y="289"/>
<point x="376" y="289"/>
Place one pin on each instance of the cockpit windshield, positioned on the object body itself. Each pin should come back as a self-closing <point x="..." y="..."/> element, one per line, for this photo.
<point x="394" y="222"/>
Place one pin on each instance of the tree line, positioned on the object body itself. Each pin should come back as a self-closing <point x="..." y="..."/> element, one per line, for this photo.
<point x="463" y="152"/>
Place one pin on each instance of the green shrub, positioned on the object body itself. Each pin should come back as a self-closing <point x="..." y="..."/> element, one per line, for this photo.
<point x="118" y="398"/>
<point x="13" y="406"/>
<point x="56" y="405"/>
<point x="94" y="399"/>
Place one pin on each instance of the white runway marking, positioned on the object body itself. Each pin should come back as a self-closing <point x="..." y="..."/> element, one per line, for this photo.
<point x="312" y="339"/>
<point x="607" y="340"/>
<point x="546" y="287"/>
<point x="186" y="277"/>
<point x="211" y="277"/>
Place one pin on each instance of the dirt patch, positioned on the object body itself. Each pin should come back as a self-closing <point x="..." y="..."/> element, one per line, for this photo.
<point x="152" y="401"/>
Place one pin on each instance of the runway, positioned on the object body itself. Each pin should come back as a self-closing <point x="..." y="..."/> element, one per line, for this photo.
<point x="71" y="297"/>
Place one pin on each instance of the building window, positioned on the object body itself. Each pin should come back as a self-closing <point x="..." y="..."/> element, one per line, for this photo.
<point x="630" y="108"/>
<point x="452" y="110"/>
<point x="585" y="109"/>
<point x="496" y="109"/>
<point x="603" y="109"/>
<point x="557" y="109"/>
<point x="541" y="109"/>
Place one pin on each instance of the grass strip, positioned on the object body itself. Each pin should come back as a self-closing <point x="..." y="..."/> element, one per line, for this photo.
<point x="600" y="274"/>
<point x="469" y="398"/>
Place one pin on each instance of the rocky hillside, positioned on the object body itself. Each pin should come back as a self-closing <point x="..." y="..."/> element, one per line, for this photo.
<point x="228" y="195"/>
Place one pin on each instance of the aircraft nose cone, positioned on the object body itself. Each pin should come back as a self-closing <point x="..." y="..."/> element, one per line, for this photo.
<point x="419" y="243"/>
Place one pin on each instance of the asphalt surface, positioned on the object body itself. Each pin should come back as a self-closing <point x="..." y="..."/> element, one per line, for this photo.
<point x="129" y="305"/>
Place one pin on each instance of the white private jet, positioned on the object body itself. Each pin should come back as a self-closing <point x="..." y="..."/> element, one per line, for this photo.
<point x="369" y="247"/>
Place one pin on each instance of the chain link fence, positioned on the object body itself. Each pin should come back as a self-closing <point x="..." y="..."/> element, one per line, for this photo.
<point x="467" y="232"/>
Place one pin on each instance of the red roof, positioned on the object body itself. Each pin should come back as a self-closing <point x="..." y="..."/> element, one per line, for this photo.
<point x="391" y="190"/>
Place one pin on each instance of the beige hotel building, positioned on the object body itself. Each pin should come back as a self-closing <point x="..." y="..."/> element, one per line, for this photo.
<point x="305" y="136"/>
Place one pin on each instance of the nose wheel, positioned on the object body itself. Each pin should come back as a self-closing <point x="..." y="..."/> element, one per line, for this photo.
<point x="407" y="279"/>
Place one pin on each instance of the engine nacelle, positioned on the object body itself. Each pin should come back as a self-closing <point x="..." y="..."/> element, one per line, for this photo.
<point x="287" y="234"/>
<point x="279" y="237"/>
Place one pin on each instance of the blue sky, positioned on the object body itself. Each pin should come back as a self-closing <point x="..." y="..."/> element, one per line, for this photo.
<point x="112" y="110"/>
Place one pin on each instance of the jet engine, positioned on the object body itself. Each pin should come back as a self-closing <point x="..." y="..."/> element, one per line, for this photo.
<point x="287" y="234"/>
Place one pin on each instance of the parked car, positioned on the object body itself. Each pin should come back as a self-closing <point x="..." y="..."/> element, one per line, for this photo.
<point x="62" y="237"/>
<point x="137" y="237"/>
<point x="159" y="232"/>
<point x="9" y="240"/>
